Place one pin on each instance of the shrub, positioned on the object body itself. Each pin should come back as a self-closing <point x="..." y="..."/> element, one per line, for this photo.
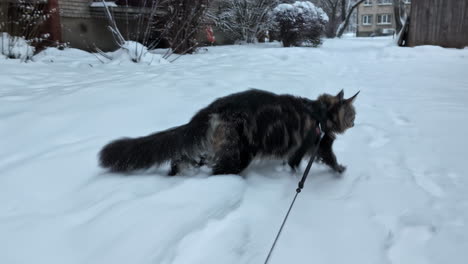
<point x="301" y="23"/>
<point x="244" y="20"/>
<point x="15" y="47"/>
<point x="20" y="28"/>
<point x="151" y="27"/>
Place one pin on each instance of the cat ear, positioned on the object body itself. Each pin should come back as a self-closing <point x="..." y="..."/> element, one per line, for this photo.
<point x="351" y="99"/>
<point x="340" y="95"/>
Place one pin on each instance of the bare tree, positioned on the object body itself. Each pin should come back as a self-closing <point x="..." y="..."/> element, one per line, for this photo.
<point x="401" y="13"/>
<point x="331" y="8"/>
<point x="244" y="19"/>
<point x="348" y="11"/>
<point x="156" y="21"/>
<point x="339" y="13"/>
<point x="186" y="17"/>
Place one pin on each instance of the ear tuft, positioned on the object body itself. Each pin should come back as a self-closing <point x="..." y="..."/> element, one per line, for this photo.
<point x="340" y="95"/>
<point x="351" y="99"/>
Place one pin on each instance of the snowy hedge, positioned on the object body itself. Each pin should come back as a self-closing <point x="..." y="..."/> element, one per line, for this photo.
<point x="300" y="23"/>
<point x="15" y="47"/>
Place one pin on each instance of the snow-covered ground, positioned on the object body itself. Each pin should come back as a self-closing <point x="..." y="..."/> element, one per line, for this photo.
<point x="403" y="199"/>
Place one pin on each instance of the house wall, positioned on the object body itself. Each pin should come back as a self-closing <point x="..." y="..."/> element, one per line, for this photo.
<point x="87" y="34"/>
<point x="82" y="28"/>
<point x="87" y="27"/>
<point x="75" y="8"/>
<point x="439" y="22"/>
<point x="375" y="9"/>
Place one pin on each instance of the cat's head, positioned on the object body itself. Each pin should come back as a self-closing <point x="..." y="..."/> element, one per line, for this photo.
<point x="340" y="111"/>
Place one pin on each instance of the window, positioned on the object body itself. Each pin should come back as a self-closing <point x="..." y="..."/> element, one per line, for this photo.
<point x="367" y="20"/>
<point x="385" y="2"/>
<point x="368" y="2"/>
<point x="384" y="19"/>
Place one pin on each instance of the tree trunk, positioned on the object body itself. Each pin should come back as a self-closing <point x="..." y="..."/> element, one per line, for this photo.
<point x="343" y="10"/>
<point x="403" y="35"/>
<point x="397" y="6"/>
<point x="345" y="23"/>
<point x="331" y="27"/>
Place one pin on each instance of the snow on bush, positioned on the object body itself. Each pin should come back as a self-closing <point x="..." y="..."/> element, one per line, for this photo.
<point x="300" y="23"/>
<point x="69" y="56"/>
<point x="15" y="47"/>
<point x="243" y="20"/>
<point x="133" y="52"/>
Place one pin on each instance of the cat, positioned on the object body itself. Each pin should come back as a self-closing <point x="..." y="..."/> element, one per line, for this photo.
<point x="233" y="130"/>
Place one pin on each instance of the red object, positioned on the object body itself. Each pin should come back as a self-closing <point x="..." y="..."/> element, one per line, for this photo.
<point x="53" y="23"/>
<point x="210" y="35"/>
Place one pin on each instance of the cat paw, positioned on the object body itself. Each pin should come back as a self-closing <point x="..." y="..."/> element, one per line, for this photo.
<point x="339" y="168"/>
<point x="293" y="169"/>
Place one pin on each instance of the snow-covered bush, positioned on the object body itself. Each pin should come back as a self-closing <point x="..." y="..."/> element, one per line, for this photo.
<point x="22" y="26"/>
<point x="244" y="20"/>
<point x="23" y="20"/>
<point x="132" y="52"/>
<point x="15" y="47"/>
<point x="300" y="23"/>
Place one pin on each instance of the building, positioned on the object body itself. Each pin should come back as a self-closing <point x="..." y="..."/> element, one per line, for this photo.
<point x="435" y="22"/>
<point x="84" y="24"/>
<point x="377" y="17"/>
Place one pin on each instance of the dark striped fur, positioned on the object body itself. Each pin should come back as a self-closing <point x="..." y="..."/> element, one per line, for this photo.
<point x="233" y="130"/>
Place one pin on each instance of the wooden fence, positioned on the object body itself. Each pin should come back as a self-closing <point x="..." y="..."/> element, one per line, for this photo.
<point x="439" y="22"/>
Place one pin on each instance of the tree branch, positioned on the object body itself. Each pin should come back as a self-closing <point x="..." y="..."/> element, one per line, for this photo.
<point x="344" y="24"/>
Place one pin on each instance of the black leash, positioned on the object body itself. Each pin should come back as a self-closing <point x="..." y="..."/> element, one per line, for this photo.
<point x="300" y="186"/>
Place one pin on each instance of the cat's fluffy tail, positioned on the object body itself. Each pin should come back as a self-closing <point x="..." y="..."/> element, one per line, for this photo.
<point x="128" y="154"/>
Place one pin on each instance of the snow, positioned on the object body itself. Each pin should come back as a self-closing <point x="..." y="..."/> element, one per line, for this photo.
<point x="103" y="4"/>
<point x="403" y="198"/>
<point x="129" y="54"/>
<point x="132" y="52"/>
<point x="15" y="47"/>
<point x="302" y="7"/>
